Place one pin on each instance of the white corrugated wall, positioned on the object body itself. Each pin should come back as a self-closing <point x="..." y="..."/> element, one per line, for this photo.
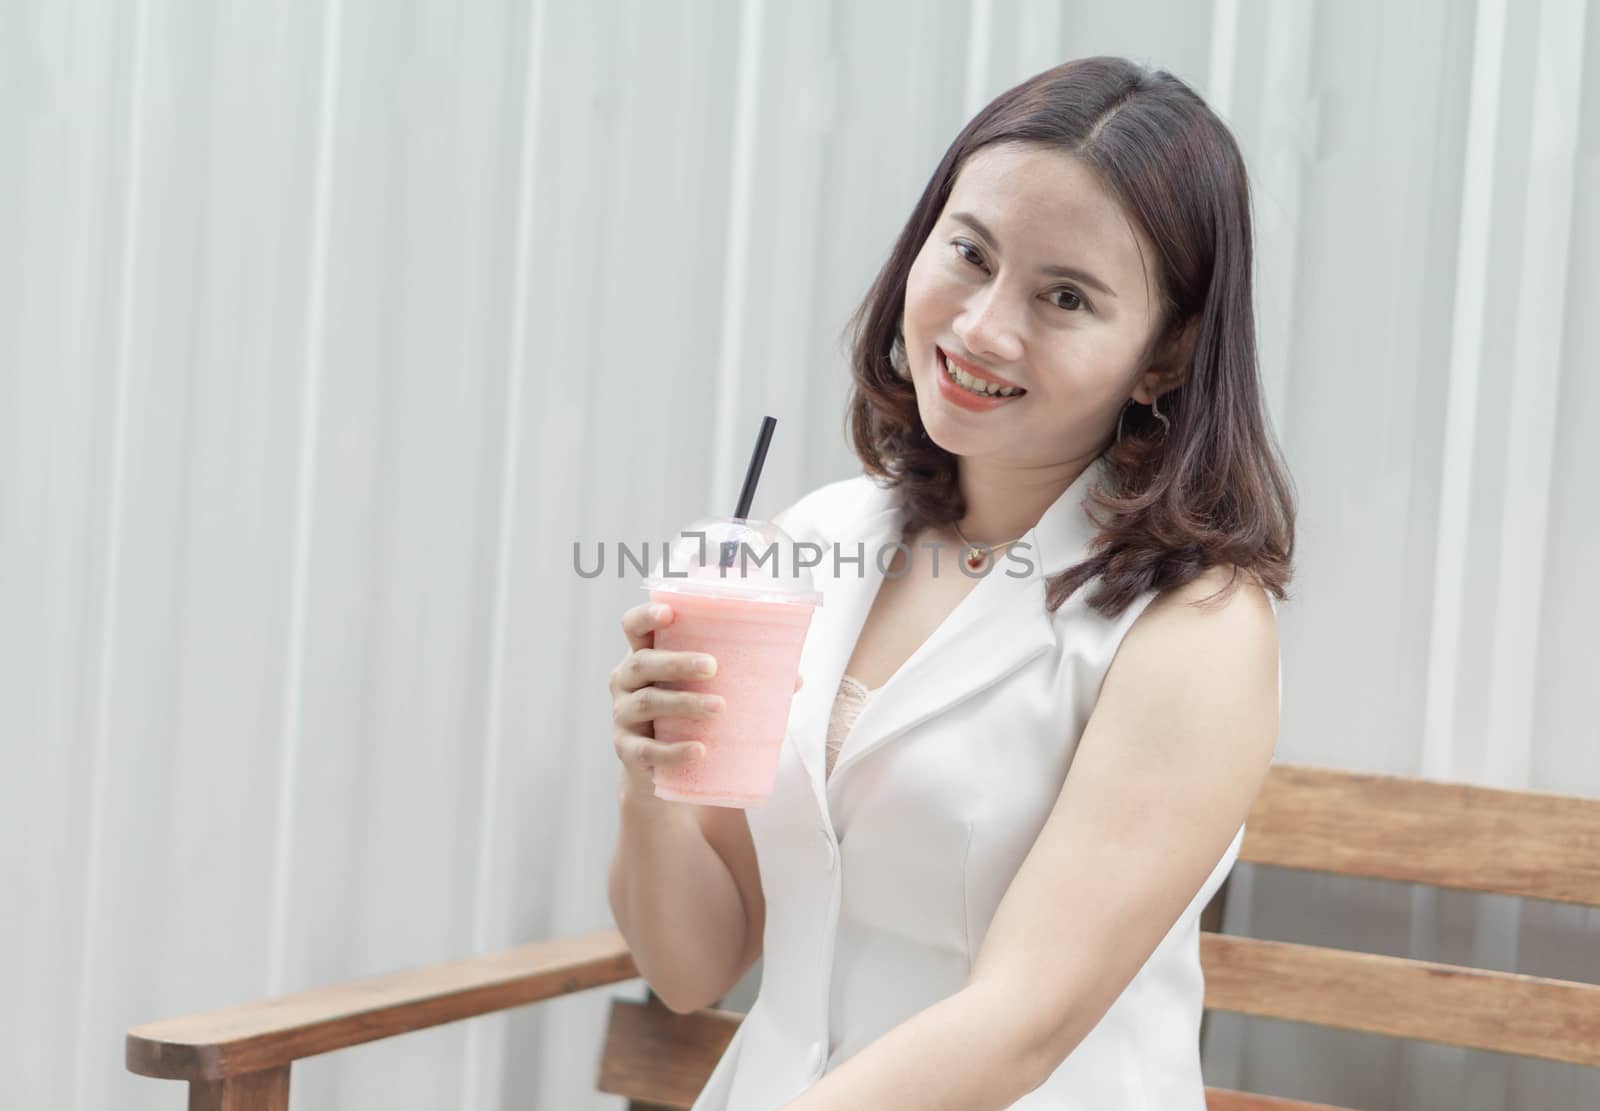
<point x="327" y="328"/>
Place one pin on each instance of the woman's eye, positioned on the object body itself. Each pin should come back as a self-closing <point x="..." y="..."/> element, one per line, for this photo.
<point x="1075" y="304"/>
<point x="968" y="252"/>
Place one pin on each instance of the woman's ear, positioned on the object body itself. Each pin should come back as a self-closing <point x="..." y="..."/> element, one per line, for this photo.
<point x="1170" y="367"/>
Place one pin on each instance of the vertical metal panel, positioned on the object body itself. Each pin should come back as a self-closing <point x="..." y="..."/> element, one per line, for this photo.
<point x="305" y="470"/>
<point x="89" y="983"/>
<point x="1541" y="314"/>
<point x="485" y="1048"/>
<point x="1461" y="410"/>
<point x="980" y="28"/>
<point x="1224" y="44"/>
<point x="731" y="354"/>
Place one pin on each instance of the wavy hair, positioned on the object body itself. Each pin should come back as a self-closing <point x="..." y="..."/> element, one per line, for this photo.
<point x="1211" y="490"/>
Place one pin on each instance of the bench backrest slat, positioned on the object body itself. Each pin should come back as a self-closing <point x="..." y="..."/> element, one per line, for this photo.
<point x="1525" y="843"/>
<point x="1476" y="1009"/>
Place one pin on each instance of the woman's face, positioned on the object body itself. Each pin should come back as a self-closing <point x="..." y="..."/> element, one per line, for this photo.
<point x="1032" y="276"/>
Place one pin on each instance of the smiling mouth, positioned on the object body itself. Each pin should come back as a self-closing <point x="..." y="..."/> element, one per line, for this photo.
<point x="971" y="383"/>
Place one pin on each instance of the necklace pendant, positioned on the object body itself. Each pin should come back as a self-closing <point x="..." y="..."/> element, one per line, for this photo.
<point x="976" y="558"/>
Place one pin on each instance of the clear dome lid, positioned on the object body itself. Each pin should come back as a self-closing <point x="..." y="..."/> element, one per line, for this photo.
<point x="735" y="557"/>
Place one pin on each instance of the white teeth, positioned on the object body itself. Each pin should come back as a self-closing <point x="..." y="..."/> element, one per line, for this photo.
<point x="977" y="385"/>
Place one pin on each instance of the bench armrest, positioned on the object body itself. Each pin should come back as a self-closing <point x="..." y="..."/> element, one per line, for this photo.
<point x="218" y="1045"/>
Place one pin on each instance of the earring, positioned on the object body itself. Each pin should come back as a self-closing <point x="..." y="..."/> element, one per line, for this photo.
<point x="1155" y="410"/>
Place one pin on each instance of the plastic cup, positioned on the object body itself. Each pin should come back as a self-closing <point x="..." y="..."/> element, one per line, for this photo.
<point x="737" y="594"/>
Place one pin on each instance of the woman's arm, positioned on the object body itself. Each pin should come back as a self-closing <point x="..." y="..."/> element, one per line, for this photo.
<point x="1169" y="763"/>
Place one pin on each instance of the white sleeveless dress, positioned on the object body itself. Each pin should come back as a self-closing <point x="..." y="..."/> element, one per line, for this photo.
<point x="884" y="855"/>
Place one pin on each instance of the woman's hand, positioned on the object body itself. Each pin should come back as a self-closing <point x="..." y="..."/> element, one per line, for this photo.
<point x="637" y="700"/>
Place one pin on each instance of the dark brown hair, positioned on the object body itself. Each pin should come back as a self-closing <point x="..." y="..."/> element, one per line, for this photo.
<point x="1212" y="490"/>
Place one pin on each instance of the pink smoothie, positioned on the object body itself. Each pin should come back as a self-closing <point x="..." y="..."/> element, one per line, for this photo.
<point x="757" y="647"/>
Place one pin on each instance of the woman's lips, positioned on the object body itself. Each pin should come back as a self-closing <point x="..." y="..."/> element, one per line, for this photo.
<point x="964" y="398"/>
<point x="975" y="370"/>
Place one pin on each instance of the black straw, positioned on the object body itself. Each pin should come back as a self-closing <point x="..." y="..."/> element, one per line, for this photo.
<point x="752" y="475"/>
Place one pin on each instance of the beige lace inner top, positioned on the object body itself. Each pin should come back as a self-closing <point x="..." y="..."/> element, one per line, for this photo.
<point x="847" y="706"/>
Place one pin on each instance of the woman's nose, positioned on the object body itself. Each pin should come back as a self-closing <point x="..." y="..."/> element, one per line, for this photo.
<point x="987" y="326"/>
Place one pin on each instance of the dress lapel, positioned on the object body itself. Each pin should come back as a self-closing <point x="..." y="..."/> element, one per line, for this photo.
<point x="994" y="630"/>
<point x="997" y="628"/>
<point x="836" y="625"/>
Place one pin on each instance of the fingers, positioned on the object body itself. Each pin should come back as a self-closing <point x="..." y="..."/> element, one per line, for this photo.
<point x="657" y="665"/>
<point x="652" y="702"/>
<point x="640" y="623"/>
<point x="643" y="690"/>
<point x="644" y="752"/>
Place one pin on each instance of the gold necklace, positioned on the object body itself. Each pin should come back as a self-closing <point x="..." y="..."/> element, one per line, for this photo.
<point x="978" y="554"/>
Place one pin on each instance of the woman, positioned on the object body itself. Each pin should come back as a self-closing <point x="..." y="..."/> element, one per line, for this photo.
<point x="1007" y="792"/>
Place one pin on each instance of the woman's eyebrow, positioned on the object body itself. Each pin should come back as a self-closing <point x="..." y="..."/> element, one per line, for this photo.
<point x="1072" y="272"/>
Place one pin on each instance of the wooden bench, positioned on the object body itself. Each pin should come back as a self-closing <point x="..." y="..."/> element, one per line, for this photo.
<point x="1528" y="844"/>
